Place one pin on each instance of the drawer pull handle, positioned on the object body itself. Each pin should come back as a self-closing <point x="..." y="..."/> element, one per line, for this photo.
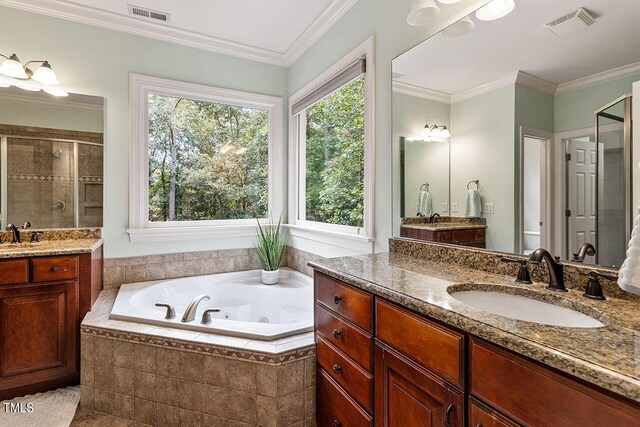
<point x="337" y="423"/>
<point x="336" y="333"/>
<point x="54" y="269"/>
<point x="447" y="417"/>
<point x="337" y="368"/>
<point x="336" y="299"/>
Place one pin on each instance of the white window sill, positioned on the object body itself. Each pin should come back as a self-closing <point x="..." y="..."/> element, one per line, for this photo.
<point x="347" y="241"/>
<point x="169" y="234"/>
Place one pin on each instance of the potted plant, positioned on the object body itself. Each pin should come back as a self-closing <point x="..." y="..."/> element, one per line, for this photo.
<point x="269" y="244"/>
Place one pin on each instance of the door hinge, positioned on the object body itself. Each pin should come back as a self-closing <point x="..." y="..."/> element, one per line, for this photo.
<point x="567" y="157"/>
<point x="567" y="212"/>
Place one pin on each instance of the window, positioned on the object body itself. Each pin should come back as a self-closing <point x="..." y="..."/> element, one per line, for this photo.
<point x="331" y="150"/>
<point x="203" y="158"/>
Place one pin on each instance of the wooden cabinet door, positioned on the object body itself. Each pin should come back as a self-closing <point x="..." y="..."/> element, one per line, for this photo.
<point x="406" y="394"/>
<point x="38" y="337"/>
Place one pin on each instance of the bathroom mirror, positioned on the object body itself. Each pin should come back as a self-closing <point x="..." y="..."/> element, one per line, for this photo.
<point x="522" y="129"/>
<point x="51" y="159"/>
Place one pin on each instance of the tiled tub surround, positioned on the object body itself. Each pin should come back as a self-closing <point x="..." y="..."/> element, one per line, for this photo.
<point x="606" y="357"/>
<point x="57" y="241"/>
<point x="119" y="271"/>
<point x="166" y="377"/>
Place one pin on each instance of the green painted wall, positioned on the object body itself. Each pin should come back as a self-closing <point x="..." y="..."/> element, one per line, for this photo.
<point x="575" y="109"/>
<point x="97" y="61"/>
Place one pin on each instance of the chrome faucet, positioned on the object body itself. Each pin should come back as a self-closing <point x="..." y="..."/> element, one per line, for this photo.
<point x="556" y="269"/>
<point x="190" y="312"/>
<point x="15" y="233"/>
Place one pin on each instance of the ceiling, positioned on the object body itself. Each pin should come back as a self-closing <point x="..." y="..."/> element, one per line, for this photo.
<point x="273" y="31"/>
<point x="519" y="42"/>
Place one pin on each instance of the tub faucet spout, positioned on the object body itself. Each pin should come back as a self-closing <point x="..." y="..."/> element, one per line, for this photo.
<point x="190" y="312"/>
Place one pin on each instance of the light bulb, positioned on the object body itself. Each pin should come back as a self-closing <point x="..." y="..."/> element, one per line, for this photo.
<point x="422" y="12"/>
<point x="45" y="75"/>
<point x="12" y="67"/>
<point x="495" y="9"/>
<point x="444" y="132"/>
<point x="426" y="132"/>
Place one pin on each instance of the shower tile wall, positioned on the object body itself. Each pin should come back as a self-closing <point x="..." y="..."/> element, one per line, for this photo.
<point x="40" y="177"/>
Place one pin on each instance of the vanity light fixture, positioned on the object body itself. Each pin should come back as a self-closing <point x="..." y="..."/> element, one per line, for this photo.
<point x="21" y="76"/>
<point x="460" y="28"/>
<point x="422" y="12"/>
<point x="495" y="9"/>
<point x="433" y="133"/>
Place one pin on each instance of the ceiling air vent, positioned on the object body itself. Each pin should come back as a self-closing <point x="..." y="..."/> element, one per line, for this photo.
<point x="144" y="13"/>
<point x="571" y="23"/>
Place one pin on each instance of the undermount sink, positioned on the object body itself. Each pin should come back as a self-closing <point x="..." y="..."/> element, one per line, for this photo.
<point x="527" y="309"/>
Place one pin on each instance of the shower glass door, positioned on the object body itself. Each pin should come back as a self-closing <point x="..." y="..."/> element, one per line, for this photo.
<point x="613" y="182"/>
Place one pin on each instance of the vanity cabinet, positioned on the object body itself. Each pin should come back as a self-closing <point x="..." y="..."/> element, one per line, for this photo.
<point x="41" y="306"/>
<point x="474" y="237"/>
<point x="380" y="364"/>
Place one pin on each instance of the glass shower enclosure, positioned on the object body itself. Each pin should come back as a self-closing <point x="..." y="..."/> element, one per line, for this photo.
<point x="50" y="182"/>
<point x="614" y="184"/>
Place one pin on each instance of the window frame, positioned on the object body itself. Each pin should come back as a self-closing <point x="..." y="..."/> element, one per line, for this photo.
<point x="357" y="238"/>
<point x="140" y="228"/>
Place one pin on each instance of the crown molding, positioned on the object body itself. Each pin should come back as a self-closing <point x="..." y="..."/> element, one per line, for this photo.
<point x="332" y="13"/>
<point x="421" y="92"/>
<point x="49" y="102"/>
<point x="536" y="83"/>
<point x="124" y="23"/>
<point x="598" y="78"/>
<point x="507" y="80"/>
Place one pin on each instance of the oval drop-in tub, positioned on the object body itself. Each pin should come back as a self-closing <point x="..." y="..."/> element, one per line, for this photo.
<point x="249" y="309"/>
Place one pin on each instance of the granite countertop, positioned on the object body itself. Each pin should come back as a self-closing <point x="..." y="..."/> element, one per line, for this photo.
<point x="608" y="357"/>
<point x="444" y="226"/>
<point x="49" y="247"/>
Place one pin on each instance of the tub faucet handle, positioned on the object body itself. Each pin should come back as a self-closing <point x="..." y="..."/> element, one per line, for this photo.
<point x="206" y="316"/>
<point x="171" y="313"/>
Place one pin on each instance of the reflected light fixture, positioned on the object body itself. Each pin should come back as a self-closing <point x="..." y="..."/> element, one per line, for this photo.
<point x="426" y="132"/>
<point x="422" y="12"/>
<point x="495" y="9"/>
<point x="433" y="133"/>
<point x="13" y="73"/>
<point x="460" y="28"/>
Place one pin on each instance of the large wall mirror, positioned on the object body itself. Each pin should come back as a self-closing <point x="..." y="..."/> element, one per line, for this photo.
<point x="51" y="159"/>
<point x="515" y="134"/>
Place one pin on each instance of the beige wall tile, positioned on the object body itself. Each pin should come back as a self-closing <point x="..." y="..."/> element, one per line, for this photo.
<point x="242" y="407"/>
<point x="123" y="354"/>
<point x="267" y="411"/>
<point x="123" y="380"/>
<point x="103" y="350"/>
<point x="113" y="276"/>
<point x="189" y="256"/>
<point x="216" y="371"/>
<point x="242" y="376"/>
<point x="310" y="402"/>
<point x="211" y="420"/>
<point x="103" y="376"/>
<point x="168" y="390"/>
<point x="134" y="273"/>
<point x="193" y="268"/>
<point x="216" y="401"/>
<point x="155" y="272"/>
<point x="192" y="366"/>
<point x="103" y="401"/>
<point x="310" y="371"/>
<point x="266" y="380"/>
<point x="144" y="411"/>
<point x="174" y="269"/>
<point x="86" y="397"/>
<point x="168" y="362"/>
<point x="167" y="416"/>
<point x="190" y="418"/>
<point x="86" y="373"/>
<point x="144" y="358"/>
<point x="87" y="347"/>
<point x="290" y="377"/>
<point x="123" y="406"/>
<point x="291" y="408"/>
<point x="145" y="386"/>
<point x="191" y="395"/>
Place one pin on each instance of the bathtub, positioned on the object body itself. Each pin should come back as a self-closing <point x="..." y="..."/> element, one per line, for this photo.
<point x="249" y="309"/>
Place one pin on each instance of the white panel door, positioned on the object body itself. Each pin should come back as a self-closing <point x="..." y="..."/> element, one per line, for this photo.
<point x="581" y="170"/>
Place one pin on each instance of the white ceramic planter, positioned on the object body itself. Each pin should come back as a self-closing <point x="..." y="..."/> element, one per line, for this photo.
<point x="270" y="277"/>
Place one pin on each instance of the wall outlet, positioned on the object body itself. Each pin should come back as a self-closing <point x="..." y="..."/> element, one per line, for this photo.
<point x="489" y="208"/>
<point x="445" y="207"/>
<point x="454" y="207"/>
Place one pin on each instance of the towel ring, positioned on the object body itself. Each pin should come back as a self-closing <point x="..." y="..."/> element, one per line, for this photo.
<point x="424" y="187"/>
<point x="474" y="181"/>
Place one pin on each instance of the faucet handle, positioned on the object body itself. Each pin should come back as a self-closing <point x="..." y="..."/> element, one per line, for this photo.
<point x="523" y="272"/>
<point x="594" y="289"/>
<point x="26" y="225"/>
<point x="206" y="316"/>
<point x="171" y="312"/>
<point x="35" y="236"/>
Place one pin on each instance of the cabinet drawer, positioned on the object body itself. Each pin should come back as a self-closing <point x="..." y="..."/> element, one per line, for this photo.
<point x="14" y="271"/>
<point x="437" y="348"/>
<point x="533" y="395"/>
<point x="352" y="303"/>
<point x="463" y="235"/>
<point x="354" y="342"/>
<point x="335" y="407"/>
<point x="481" y="415"/>
<point x="349" y="375"/>
<point x="48" y="269"/>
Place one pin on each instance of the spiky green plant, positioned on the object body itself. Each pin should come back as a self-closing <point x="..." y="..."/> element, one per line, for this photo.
<point x="269" y="244"/>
